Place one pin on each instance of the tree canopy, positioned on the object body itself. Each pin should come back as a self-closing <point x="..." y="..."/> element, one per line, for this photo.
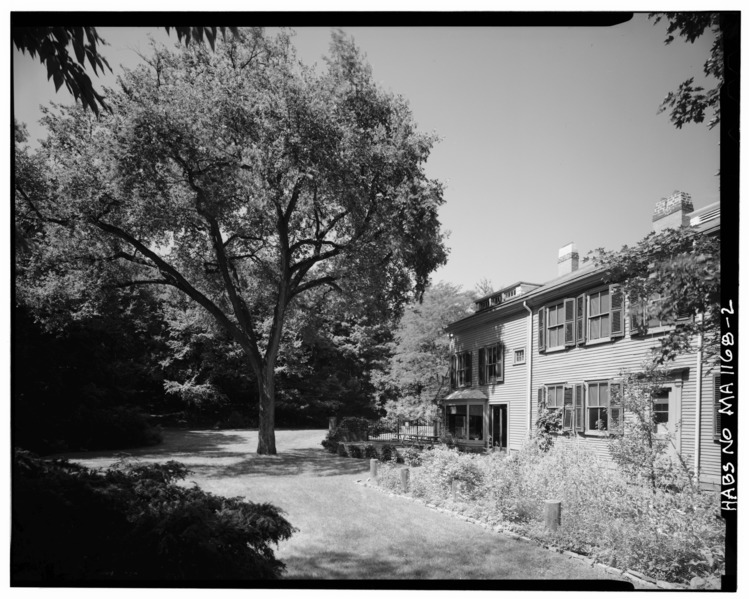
<point x="673" y="277"/>
<point x="241" y="178"/>
<point x="690" y="103"/>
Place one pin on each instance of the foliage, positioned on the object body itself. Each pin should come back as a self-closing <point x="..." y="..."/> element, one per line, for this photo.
<point x="671" y="534"/>
<point x="690" y="103"/>
<point x="681" y="267"/>
<point x="640" y="450"/>
<point x="354" y="451"/>
<point x="370" y="452"/>
<point x="51" y="44"/>
<point x="417" y="373"/>
<point x="548" y="427"/>
<point x="244" y="180"/>
<point x="133" y="522"/>
<point x="411" y="456"/>
<point x="341" y="450"/>
<point x="86" y="385"/>
<point x="387" y="452"/>
<point x="351" y="428"/>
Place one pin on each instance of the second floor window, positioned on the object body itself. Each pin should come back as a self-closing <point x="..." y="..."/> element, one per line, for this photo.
<point x="490" y="364"/>
<point x="599" y="326"/>
<point x="460" y="370"/>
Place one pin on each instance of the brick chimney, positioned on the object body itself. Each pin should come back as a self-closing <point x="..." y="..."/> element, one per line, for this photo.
<point x="568" y="260"/>
<point x="671" y="212"/>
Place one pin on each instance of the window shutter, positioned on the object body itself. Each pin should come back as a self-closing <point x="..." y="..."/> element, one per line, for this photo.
<point x="482" y="366"/>
<point x="542" y="329"/>
<point x="615" y="408"/>
<point x="580" y="322"/>
<point x="569" y="322"/>
<point x="636" y="319"/>
<point x="716" y="407"/>
<point x="469" y="368"/>
<point x="453" y="371"/>
<point x="617" y="312"/>
<point x="541" y="398"/>
<point x="500" y="362"/>
<point x="579" y="403"/>
<point x="568" y="409"/>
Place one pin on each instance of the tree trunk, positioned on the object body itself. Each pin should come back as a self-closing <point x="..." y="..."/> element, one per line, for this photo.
<point x="266" y="442"/>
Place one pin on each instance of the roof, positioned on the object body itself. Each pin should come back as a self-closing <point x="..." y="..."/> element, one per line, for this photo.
<point x="468" y="393"/>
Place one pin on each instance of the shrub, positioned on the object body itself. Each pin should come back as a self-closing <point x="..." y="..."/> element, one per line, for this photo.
<point x="342" y="450"/>
<point x="134" y="523"/>
<point x="388" y="476"/>
<point x="411" y="456"/>
<point x="348" y="429"/>
<point x="370" y="452"/>
<point x="354" y="451"/>
<point x="673" y="533"/>
<point x="387" y="452"/>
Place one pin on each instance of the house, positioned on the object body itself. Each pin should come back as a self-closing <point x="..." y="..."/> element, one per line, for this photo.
<point x="565" y="345"/>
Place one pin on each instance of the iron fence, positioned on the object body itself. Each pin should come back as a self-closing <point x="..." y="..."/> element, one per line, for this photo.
<point x="408" y="431"/>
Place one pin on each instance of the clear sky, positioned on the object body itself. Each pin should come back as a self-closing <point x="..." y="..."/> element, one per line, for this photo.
<point x="549" y="135"/>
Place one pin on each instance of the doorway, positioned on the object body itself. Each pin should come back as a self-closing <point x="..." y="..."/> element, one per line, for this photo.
<point x="499" y="426"/>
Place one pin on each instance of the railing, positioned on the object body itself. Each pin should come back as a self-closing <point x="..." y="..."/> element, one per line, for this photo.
<point x="408" y="431"/>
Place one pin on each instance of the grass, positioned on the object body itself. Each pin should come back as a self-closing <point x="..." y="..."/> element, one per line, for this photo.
<point x="345" y="530"/>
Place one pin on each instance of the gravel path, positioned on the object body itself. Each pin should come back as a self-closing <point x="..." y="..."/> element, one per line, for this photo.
<point x="345" y="530"/>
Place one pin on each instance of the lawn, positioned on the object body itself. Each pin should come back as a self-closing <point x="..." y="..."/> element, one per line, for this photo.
<point x="346" y="530"/>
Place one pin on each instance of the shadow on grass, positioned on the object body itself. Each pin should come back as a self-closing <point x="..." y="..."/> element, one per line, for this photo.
<point x="292" y="462"/>
<point x="176" y="444"/>
<point x="331" y="565"/>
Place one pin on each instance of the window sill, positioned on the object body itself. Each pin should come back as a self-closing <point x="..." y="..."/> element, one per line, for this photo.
<point x="598" y="341"/>
<point x="551" y="350"/>
<point x="518" y="363"/>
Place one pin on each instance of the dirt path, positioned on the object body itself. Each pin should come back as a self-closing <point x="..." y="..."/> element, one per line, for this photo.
<point x="345" y="530"/>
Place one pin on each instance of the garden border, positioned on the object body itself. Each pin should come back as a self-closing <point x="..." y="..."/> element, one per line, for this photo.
<point x="633" y="575"/>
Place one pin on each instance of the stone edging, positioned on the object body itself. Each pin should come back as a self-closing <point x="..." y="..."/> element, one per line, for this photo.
<point x="633" y="575"/>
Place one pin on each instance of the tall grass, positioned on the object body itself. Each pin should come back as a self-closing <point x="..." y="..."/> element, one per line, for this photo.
<point x="669" y="534"/>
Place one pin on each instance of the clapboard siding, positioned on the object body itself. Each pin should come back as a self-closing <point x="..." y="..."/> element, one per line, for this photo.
<point x="611" y="360"/>
<point x="511" y="332"/>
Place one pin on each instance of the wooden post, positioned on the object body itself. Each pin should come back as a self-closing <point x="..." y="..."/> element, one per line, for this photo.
<point x="404" y="479"/>
<point x="454" y="488"/>
<point x="553" y="513"/>
<point x="373" y="469"/>
<point x="331" y="423"/>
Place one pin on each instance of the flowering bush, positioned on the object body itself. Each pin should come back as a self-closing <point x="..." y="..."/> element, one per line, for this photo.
<point x="671" y="533"/>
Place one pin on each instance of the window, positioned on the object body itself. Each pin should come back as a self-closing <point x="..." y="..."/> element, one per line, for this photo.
<point x="460" y="370"/>
<point x="519" y="356"/>
<point x="466" y="421"/>
<point x="490" y="364"/>
<point x="588" y="318"/>
<point x="660" y="410"/>
<point x="603" y="410"/>
<point x="555" y="326"/>
<point x="645" y="317"/>
<point x="599" y="326"/>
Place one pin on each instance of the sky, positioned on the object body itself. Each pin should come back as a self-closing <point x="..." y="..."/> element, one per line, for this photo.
<point x="548" y="135"/>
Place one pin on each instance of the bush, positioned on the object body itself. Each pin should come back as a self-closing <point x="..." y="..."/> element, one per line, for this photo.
<point x="342" y="450"/>
<point x="387" y="452"/>
<point x="348" y="429"/>
<point x="370" y="452"/>
<point x="116" y="427"/>
<point x="354" y="451"/>
<point x="134" y="523"/>
<point x="672" y="533"/>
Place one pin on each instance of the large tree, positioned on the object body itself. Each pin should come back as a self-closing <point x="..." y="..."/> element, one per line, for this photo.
<point x="242" y="178"/>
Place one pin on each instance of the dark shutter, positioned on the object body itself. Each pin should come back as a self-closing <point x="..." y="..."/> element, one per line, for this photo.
<point x="579" y="407"/>
<point x="482" y="366"/>
<point x="636" y="319"/>
<point x="568" y="409"/>
<point x="617" y="312"/>
<point x="615" y="406"/>
<point x="469" y="368"/>
<point x="542" y="329"/>
<point x="580" y="319"/>
<point x="541" y="398"/>
<point x="569" y="322"/>
<point x="716" y="407"/>
<point x="453" y="371"/>
<point x="500" y="369"/>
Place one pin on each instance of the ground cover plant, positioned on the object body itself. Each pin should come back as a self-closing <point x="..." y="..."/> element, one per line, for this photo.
<point x="670" y="534"/>
<point x="133" y="522"/>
